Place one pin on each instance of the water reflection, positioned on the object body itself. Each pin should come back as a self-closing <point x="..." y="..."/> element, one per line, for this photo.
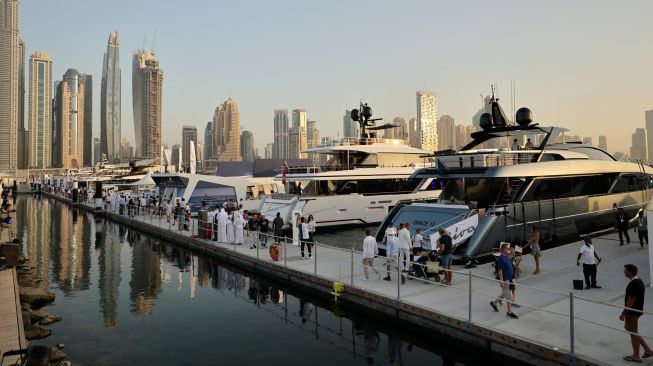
<point x="124" y="295"/>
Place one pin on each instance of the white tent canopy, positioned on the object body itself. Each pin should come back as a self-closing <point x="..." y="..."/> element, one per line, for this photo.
<point x="145" y="181"/>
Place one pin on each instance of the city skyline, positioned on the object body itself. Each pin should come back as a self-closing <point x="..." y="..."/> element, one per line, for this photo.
<point x="563" y="92"/>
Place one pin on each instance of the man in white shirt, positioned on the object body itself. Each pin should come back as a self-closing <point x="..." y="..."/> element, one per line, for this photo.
<point x="370" y="250"/>
<point x="418" y="242"/>
<point x="405" y="245"/>
<point x="303" y="237"/>
<point x="391" y="250"/>
<point x="590" y="261"/>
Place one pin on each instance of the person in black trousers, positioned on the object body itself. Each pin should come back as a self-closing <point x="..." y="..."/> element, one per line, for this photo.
<point x="622" y="225"/>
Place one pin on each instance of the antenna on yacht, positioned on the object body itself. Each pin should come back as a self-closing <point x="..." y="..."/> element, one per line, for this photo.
<point x="366" y="122"/>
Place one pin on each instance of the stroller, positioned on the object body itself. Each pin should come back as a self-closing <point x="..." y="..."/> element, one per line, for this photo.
<point x="427" y="266"/>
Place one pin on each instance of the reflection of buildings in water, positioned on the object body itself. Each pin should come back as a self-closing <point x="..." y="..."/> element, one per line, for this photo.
<point x="109" y="281"/>
<point x="203" y="271"/>
<point x="192" y="278"/>
<point x="36" y="224"/>
<point x="70" y="259"/>
<point x="145" y="282"/>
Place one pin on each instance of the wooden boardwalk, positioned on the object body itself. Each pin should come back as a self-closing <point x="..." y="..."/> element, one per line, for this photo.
<point x="12" y="334"/>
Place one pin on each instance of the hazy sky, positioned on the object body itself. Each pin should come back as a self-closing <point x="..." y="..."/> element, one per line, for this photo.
<point x="584" y="65"/>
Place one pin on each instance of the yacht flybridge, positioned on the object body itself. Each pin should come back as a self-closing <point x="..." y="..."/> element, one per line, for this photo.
<point x="362" y="179"/>
<point x="513" y="177"/>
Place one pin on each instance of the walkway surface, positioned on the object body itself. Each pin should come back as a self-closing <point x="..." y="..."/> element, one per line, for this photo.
<point x="544" y="298"/>
<point x="12" y="336"/>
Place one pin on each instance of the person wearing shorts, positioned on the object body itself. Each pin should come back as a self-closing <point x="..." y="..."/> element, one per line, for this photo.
<point x="445" y="250"/>
<point x="534" y="242"/>
<point x="634" y="306"/>
<point x="506" y="281"/>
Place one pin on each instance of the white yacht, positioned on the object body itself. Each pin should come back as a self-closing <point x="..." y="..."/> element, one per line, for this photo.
<point x="362" y="179"/>
<point x="496" y="193"/>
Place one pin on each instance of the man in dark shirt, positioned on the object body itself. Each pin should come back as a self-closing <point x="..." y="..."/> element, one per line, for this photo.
<point x="277" y="226"/>
<point x="264" y="228"/>
<point x="446" y="256"/>
<point x="506" y="277"/>
<point x="622" y="225"/>
<point x="634" y="300"/>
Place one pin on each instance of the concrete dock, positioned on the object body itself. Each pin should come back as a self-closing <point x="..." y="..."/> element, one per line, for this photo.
<point x="542" y="335"/>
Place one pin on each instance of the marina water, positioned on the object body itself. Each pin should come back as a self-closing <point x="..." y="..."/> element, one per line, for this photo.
<point x="128" y="299"/>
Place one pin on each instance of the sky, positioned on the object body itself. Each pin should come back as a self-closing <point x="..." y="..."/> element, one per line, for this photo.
<point x="584" y="65"/>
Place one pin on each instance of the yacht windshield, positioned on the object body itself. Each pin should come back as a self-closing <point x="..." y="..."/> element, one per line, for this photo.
<point x="476" y="192"/>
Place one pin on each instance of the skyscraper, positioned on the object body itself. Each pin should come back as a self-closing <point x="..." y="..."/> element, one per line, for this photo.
<point x="226" y="132"/>
<point x="110" y="123"/>
<point x="9" y="83"/>
<point x="446" y="133"/>
<point x="648" y="120"/>
<point x="603" y="142"/>
<point x="412" y="132"/>
<point x="313" y="134"/>
<point x="638" y="149"/>
<point x="40" y="111"/>
<point x="208" y="141"/>
<point x="587" y="140"/>
<point x="427" y="120"/>
<point x="23" y="144"/>
<point x="281" y="137"/>
<point x="299" y="120"/>
<point x="97" y="150"/>
<point x="463" y="135"/>
<point x="400" y="132"/>
<point x="188" y="134"/>
<point x="247" y="146"/>
<point x="349" y="126"/>
<point x="269" y="150"/>
<point x="87" y="80"/>
<point x="69" y="129"/>
<point x="298" y="143"/>
<point x="147" y="91"/>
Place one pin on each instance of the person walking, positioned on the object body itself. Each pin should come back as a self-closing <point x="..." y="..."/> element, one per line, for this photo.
<point x="277" y="227"/>
<point x="370" y="250"/>
<point x="641" y="225"/>
<point x="311" y="228"/>
<point x="264" y="230"/>
<point x="391" y="252"/>
<point x="534" y="243"/>
<point x="590" y="260"/>
<point x="506" y="281"/>
<point x="405" y="245"/>
<point x="622" y="225"/>
<point x="239" y="229"/>
<point x="445" y="250"/>
<point x="634" y="304"/>
<point x="303" y="236"/>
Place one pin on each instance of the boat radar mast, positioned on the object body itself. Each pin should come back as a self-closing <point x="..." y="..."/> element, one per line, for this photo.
<point x="367" y="123"/>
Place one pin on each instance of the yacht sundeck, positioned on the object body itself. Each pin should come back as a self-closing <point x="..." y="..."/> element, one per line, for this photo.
<point x="363" y="178"/>
<point x="494" y="193"/>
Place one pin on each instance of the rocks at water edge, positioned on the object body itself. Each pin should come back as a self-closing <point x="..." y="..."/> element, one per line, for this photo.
<point x="36" y="297"/>
<point x="49" y="319"/>
<point x="56" y="353"/>
<point x="33" y="332"/>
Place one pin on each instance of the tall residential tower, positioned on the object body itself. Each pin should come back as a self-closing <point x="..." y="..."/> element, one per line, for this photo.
<point x="147" y="90"/>
<point x="110" y="101"/>
<point x="9" y="83"/>
<point x="40" y="111"/>
<point x="281" y="137"/>
<point x="226" y="132"/>
<point x="427" y="128"/>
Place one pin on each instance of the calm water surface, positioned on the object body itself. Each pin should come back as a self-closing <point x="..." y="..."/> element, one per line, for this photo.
<point x="128" y="299"/>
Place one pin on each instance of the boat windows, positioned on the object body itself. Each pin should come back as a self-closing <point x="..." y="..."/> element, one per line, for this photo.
<point x="561" y="187"/>
<point x="593" y="153"/>
<point x="361" y="186"/>
<point x="630" y="183"/>
<point x="475" y="192"/>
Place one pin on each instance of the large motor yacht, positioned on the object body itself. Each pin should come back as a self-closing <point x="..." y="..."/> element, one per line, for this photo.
<point x="512" y="177"/>
<point x="362" y="179"/>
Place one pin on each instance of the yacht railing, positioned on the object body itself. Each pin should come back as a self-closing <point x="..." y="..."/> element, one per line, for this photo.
<point x="475" y="160"/>
<point x="353" y="141"/>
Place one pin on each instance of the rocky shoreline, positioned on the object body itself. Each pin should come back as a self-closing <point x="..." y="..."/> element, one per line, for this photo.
<point x="33" y="299"/>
